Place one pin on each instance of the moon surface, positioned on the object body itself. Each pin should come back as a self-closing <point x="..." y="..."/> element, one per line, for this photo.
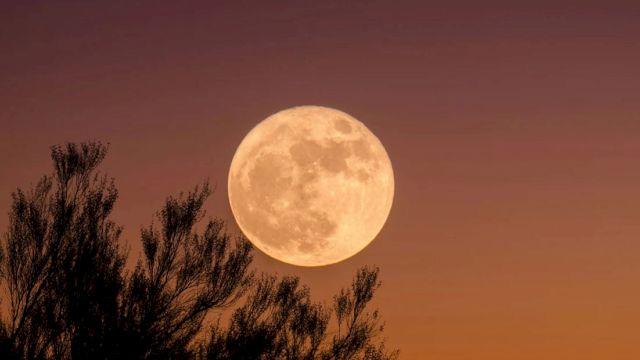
<point x="310" y="186"/>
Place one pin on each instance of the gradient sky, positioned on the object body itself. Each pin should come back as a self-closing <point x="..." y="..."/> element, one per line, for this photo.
<point x="514" y="132"/>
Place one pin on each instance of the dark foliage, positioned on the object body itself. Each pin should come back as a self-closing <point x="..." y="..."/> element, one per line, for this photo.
<point x="279" y="321"/>
<point x="183" y="276"/>
<point x="69" y="296"/>
<point x="63" y="268"/>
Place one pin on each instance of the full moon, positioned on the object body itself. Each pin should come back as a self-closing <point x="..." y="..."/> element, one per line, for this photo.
<point x="310" y="186"/>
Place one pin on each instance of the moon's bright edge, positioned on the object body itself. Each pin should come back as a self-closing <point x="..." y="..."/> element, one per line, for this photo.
<point x="310" y="186"/>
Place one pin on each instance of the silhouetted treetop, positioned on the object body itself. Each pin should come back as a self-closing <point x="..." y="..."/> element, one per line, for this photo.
<point x="280" y="321"/>
<point x="63" y="268"/>
<point x="183" y="277"/>
<point x="70" y="296"/>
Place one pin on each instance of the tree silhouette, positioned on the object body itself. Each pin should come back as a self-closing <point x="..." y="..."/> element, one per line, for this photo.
<point x="63" y="268"/>
<point x="184" y="275"/>
<point x="71" y="297"/>
<point x="279" y="321"/>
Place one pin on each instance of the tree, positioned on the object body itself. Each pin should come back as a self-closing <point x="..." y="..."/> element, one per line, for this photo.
<point x="71" y="297"/>
<point x="183" y="277"/>
<point x="279" y="321"/>
<point x="63" y="268"/>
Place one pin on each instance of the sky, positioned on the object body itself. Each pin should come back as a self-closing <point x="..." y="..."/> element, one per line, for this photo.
<point x="513" y="130"/>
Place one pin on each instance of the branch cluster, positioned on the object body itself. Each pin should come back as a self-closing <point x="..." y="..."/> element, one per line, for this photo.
<point x="70" y="296"/>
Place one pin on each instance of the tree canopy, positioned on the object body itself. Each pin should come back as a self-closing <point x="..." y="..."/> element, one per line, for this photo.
<point x="68" y="294"/>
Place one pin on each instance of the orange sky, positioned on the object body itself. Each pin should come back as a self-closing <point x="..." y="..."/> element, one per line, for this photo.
<point x="514" y="132"/>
